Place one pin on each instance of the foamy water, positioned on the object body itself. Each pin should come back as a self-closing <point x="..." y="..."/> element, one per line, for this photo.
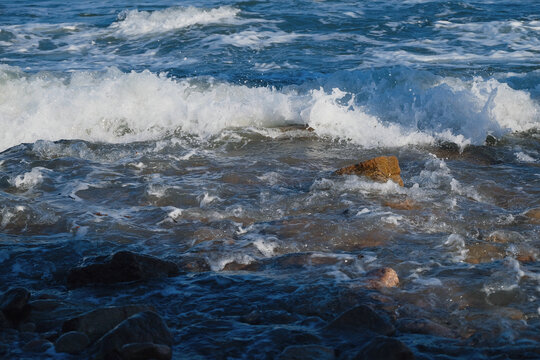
<point x="208" y="133"/>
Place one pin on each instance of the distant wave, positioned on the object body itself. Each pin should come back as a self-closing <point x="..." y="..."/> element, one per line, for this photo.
<point x="134" y="22"/>
<point x="370" y="108"/>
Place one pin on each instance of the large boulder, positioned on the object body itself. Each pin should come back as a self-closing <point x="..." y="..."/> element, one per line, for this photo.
<point x="123" y="266"/>
<point x="382" y="168"/>
<point x="145" y="327"/>
<point x="97" y="322"/>
<point x="360" y="319"/>
<point x="72" y="342"/>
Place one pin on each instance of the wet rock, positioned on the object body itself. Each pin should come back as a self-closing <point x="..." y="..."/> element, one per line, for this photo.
<point x="100" y="321"/>
<point x="194" y="264"/>
<point x="27" y="327"/>
<point x="385" y="348"/>
<point x="236" y="266"/>
<point x="505" y="237"/>
<point x="526" y="257"/>
<point x="307" y="352"/>
<point x="4" y="323"/>
<point x="122" y="267"/>
<point x="14" y="304"/>
<point x="424" y="326"/>
<point x="382" y="278"/>
<point x="143" y="351"/>
<point x="484" y="252"/>
<point x="361" y="318"/>
<point x="44" y="304"/>
<point x="72" y="342"/>
<point x="38" y="346"/>
<point x="407" y="204"/>
<point x="145" y="327"/>
<point x="533" y="214"/>
<point x="382" y="168"/>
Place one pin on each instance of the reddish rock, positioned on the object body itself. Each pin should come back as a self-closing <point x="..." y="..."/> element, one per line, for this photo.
<point x="402" y="205"/>
<point x="533" y="214"/>
<point x="382" y="168"/>
<point x="382" y="278"/>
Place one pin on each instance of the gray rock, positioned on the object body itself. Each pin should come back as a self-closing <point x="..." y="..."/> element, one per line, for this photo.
<point x="362" y="318"/>
<point x="385" y="348"/>
<point x="99" y="321"/>
<point x="72" y="342"/>
<point x="123" y="266"/>
<point x="145" y="327"/>
<point x="144" y="351"/>
<point x="307" y="352"/>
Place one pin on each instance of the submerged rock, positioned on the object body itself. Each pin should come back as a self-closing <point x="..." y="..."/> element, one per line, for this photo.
<point x="533" y="214"/>
<point x="123" y="266"/>
<point x="424" y="326"/>
<point x="385" y="348"/>
<point x="361" y="318"/>
<point x="382" y="168"/>
<point x="37" y="346"/>
<point x="145" y="327"/>
<point x="382" y="278"/>
<point x="144" y="351"/>
<point x="14" y="304"/>
<point x="484" y="252"/>
<point x="97" y="322"/>
<point x="72" y="342"/>
<point x="307" y="352"/>
<point x="402" y="205"/>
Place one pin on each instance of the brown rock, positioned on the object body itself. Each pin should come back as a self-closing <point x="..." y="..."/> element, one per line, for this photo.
<point x="533" y="214"/>
<point x="122" y="267"/>
<point x="100" y="321"/>
<point x="382" y="278"/>
<point x="484" y="252"/>
<point x="385" y="348"/>
<point x="72" y="342"/>
<point x="361" y="318"/>
<point x="144" y="351"/>
<point x="382" y="168"/>
<point x="307" y="352"/>
<point x="145" y="327"/>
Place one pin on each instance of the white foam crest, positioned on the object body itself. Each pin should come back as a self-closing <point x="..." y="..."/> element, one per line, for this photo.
<point x="112" y="106"/>
<point x="253" y="39"/>
<point x="134" y="22"/>
<point x="28" y="180"/>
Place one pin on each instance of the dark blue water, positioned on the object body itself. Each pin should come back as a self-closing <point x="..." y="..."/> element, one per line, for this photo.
<point x="207" y="133"/>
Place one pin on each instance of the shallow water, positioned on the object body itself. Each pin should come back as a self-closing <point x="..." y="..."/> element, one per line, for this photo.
<point x="208" y="133"/>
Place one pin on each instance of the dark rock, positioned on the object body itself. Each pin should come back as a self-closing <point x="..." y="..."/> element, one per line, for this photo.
<point x="14" y="304"/>
<point x="424" y="326"/>
<point x="100" y="321"/>
<point x="385" y="348"/>
<point x="145" y="327"/>
<point x="361" y="318"/>
<point x="194" y="264"/>
<point x="4" y="323"/>
<point x="491" y="140"/>
<point x="123" y="266"/>
<point x="382" y="168"/>
<point x="72" y="342"/>
<point x="27" y="327"/>
<point x="144" y="351"/>
<point x="44" y="304"/>
<point x="307" y="352"/>
<point x="38" y="346"/>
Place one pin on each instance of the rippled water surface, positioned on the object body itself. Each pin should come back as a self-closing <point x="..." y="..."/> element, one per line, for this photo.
<point x="208" y="133"/>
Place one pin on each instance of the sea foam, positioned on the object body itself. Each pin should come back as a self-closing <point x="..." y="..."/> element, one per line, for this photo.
<point x="367" y="108"/>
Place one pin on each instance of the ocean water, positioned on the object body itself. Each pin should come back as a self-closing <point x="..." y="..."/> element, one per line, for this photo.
<point x="208" y="133"/>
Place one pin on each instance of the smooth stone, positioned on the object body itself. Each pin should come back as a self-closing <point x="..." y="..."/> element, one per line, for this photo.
<point x="27" y="327"/>
<point x="382" y="278"/>
<point x="123" y="266"/>
<point x="97" y="322"/>
<point x="382" y="169"/>
<point x="72" y="342"/>
<point x="44" y="304"/>
<point x="385" y="348"/>
<point x="424" y="326"/>
<point x="38" y="346"/>
<point x="145" y="327"/>
<point x="144" y="351"/>
<point x="362" y="318"/>
<point x="307" y="352"/>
